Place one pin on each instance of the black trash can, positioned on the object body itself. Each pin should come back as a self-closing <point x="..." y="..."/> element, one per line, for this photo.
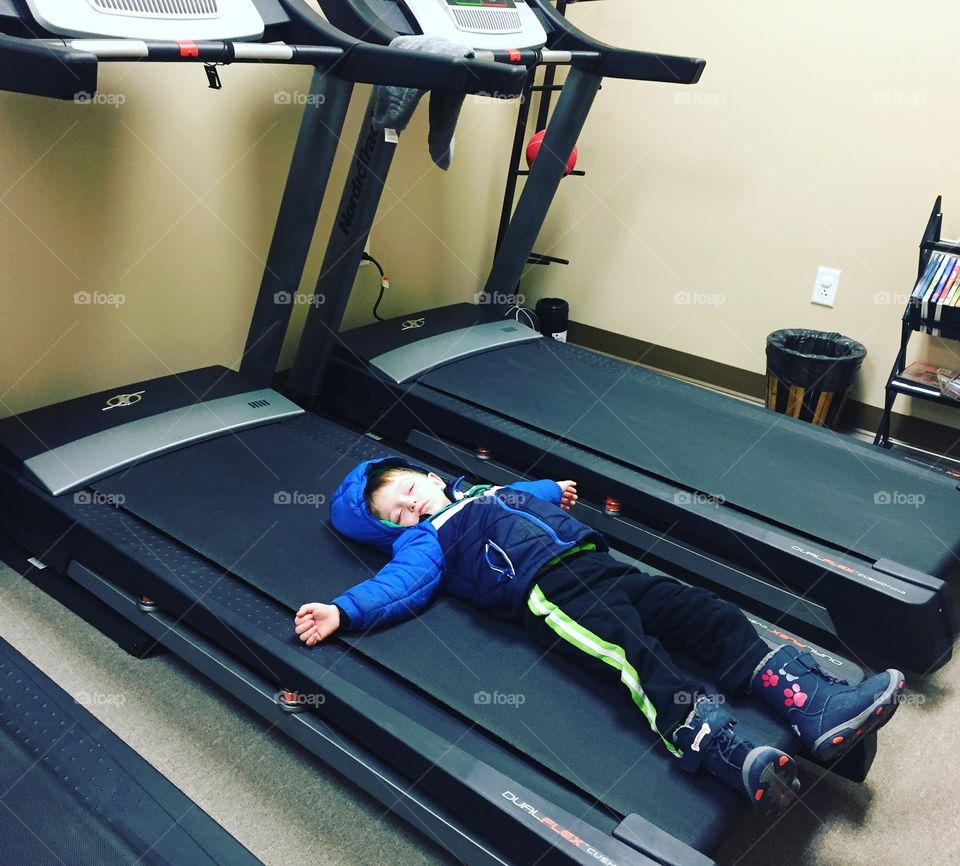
<point x="553" y="313"/>
<point x="810" y="373"/>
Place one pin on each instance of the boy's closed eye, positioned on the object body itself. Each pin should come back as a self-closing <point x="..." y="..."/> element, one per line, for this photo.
<point x="395" y="516"/>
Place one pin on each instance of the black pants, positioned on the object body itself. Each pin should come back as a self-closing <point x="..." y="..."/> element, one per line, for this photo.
<point x="623" y="623"/>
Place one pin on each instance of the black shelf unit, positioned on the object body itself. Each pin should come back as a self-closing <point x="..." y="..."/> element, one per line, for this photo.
<point x="547" y="89"/>
<point x="946" y="326"/>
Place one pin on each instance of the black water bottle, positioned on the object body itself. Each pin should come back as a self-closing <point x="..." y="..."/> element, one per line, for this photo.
<point x="553" y="313"/>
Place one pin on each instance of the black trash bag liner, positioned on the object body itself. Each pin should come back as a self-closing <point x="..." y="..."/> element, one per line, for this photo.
<point x="814" y="359"/>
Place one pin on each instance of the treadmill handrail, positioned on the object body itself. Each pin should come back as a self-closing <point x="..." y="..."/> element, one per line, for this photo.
<point x="376" y="64"/>
<point x="368" y="64"/>
<point x="70" y="65"/>
<point x="39" y="69"/>
<point x="215" y="51"/>
<point x="617" y="62"/>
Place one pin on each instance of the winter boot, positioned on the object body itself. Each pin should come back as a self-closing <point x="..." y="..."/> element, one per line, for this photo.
<point x="829" y="715"/>
<point x="766" y="776"/>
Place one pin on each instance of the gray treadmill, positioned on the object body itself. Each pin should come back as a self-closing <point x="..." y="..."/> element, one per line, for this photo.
<point x="768" y="510"/>
<point x="191" y="509"/>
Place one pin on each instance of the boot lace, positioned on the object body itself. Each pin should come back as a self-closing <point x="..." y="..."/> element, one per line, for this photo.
<point x="727" y="742"/>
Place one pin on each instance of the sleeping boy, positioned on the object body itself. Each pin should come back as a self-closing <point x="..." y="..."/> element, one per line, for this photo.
<point x="516" y="552"/>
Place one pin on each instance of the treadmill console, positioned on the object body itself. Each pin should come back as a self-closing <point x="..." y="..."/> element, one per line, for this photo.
<point x="484" y="24"/>
<point x="196" y="20"/>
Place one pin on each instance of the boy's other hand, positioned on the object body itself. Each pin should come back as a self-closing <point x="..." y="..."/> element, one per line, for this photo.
<point x="568" y="494"/>
<point x="316" y="622"/>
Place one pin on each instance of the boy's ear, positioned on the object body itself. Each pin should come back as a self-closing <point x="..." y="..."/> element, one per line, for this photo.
<point x="436" y="479"/>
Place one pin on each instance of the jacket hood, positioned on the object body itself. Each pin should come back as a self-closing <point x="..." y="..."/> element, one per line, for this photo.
<point x="348" y="508"/>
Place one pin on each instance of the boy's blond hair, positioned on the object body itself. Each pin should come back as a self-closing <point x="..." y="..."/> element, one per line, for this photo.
<point x="381" y="477"/>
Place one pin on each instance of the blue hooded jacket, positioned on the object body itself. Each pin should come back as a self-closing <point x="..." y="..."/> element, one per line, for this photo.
<point x="488" y="552"/>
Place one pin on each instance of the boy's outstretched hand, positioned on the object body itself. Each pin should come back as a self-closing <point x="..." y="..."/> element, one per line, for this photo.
<point x="316" y="622"/>
<point x="568" y="494"/>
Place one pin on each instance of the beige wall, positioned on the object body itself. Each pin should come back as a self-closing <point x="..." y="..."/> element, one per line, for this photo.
<point x="818" y="135"/>
<point x="158" y="208"/>
<point x="158" y="205"/>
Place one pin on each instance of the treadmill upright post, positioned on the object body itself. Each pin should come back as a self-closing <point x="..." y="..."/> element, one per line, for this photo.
<point x="571" y="112"/>
<point x="313" y="155"/>
<point x="354" y="218"/>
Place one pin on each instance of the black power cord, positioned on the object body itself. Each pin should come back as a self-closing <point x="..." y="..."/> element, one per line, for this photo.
<point x="384" y="284"/>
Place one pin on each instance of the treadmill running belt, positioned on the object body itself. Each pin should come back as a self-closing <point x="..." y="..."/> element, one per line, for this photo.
<point x="252" y="504"/>
<point x="769" y="464"/>
<point x="73" y="792"/>
<point x="40" y="809"/>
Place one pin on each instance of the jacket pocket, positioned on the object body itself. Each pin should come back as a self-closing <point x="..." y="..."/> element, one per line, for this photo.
<point x="498" y="560"/>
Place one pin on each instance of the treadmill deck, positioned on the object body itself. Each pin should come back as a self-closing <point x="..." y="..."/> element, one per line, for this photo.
<point x="451" y="653"/>
<point x="820" y="484"/>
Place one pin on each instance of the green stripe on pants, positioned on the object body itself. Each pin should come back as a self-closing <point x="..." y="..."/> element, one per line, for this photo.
<point x="586" y="641"/>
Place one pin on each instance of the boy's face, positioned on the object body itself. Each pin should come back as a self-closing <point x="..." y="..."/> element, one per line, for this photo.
<point x="409" y="496"/>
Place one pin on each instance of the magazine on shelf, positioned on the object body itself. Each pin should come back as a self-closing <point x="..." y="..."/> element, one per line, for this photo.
<point x="949" y="381"/>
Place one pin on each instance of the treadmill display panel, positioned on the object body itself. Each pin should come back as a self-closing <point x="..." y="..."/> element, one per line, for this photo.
<point x="485" y="16"/>
<point x="161" y="19"/>
<point x="486" y="4"/>
<point x="482" y="24"/>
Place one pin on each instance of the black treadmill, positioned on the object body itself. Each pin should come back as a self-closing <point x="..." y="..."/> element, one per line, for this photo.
<point x="449" y="719"/>
<point x="798" y="521"/>
<point x="191" y="508"/>
<point x="74" y="792"/>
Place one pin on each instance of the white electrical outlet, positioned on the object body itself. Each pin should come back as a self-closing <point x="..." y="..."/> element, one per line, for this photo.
<point x="825" y="286"/>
